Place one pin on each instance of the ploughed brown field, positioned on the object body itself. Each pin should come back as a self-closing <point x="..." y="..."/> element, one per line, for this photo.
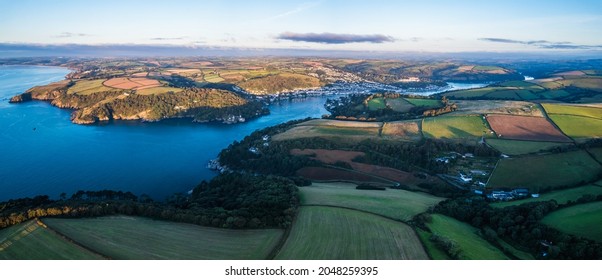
<point x="132" y="83"/>
<point x="334" y="156"/>
<point x="525" y="128"/>
<point x="331" y="174"/>
<point x="327" y="156"/>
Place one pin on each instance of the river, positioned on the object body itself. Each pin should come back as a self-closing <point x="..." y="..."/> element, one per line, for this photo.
<point x="42" y="152"/>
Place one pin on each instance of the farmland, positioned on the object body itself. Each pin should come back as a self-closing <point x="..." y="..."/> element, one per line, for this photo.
<point x="402" y="130"/>
<point x="334" y="174"/>
<point x="85" y="87"/>
<point x="576" y="121"/>
<point x="345" y="130"/>
<point x="471" y="245"/>
<point x="525" y="128"/>
<point x="376" y="104"/>
<point x="323" y="233"/>
<point x="395" y="204"/>
<point x="455" y="127"/>
<point x="131" y="83"/>
<point x="521" y="108"/>
<point x="517" y="147"/>
<point x="546" y="172"/>
<point x="421" y="102"/>
<point x="561" y="196"/>
<point x="30" y="240"/>
<point x="581" y="220"/>
<point x="124" y="237"/>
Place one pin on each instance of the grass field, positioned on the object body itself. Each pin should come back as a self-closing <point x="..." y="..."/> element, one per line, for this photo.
<point x="476" y="107"/>
<point x="123" y="237"/>
<point x="395" y="204"/>
<point x="30" y="241"/>
<point x="85" y="87"/>
<point x="561" y="196"/>
<point x="578" y="127"/>
<point x="597" y="152"/>
<point x="518" y="147"/>
<point x="376" y="104"/>
<point x="454" y="127"/>
<point x="424" y="102"/>
<point x="583" y="111"/>
<point x="581" y="220"/>
<point x="473" y="247"/>
<point x="546" y="172"/>
<point x="327" y="233"/>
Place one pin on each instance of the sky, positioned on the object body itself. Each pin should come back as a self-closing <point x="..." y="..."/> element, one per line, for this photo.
<point x="387" y="26"/>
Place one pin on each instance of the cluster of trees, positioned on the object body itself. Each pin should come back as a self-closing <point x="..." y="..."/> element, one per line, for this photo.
<point x="200" y="104"/>
<point x="228" y="201"/>
<point x="520" y="225"/>
<point x="355" y="107"/>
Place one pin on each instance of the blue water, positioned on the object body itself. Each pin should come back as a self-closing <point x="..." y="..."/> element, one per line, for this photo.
<point x="157" y="159"/>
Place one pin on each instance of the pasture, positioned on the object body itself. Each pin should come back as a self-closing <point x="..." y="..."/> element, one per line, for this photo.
<point x="582" y="111"/>
<point x="578" y="127"/>
<point x="525" y="128"/>
<point x="518" y="147"/>
<point x="327" y="233"/>
<point x="85" y="87"/>
<point x="31" y="241"/>
<point x="421" y="102"/>
<point x="395" y="204"/>
<point x="561" y="196"/>
<point x="472" y="246"/>
<point x="376" y="104"/>
<point x="473" y="107"/>
<point x="581" y="220"/>
<point x="545" y="172"/>
<point x="124" y="237"/>
<point x="455" y="127"/>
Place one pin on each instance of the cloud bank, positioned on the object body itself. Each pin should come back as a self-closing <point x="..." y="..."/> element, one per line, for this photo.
<point x="544" y="44"/>
<point x="71" y="35"/>
<point x="333" y="38"/>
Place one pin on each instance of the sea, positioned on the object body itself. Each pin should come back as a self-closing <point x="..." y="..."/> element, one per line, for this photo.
<point x="43" y="153"/>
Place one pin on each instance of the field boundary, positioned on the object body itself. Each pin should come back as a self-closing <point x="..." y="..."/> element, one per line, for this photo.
<point x="547" y="116"/>
<point x="68" y="239"/>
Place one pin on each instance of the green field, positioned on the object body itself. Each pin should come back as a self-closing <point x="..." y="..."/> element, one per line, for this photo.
<point x="328" y="233"/>
<point x="376" y="104"/>
<point x="583" y="111"/>
<point x="578" y="127"/>
<point x="213" y="78"/>
<point x="472" y="246"/>
<point x="424" y="102"/>
<point x="85" y="87"/>
<point x="581" y="220"/>
<point x="123" y="237"/>
<point x="597" y="152"/>
<point x="486" y="68"/>
<point x="30" y="241"/>
<point x="546" y="172"/>
<point x="561" y="196"/>
<point x="477" y="92"/>
<point x="518" y="147"/>
<point x="395" y="204"/>
<point x="454" y="127"/>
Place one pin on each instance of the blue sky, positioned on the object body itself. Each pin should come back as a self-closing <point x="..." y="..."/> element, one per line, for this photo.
<point x="429" y="26"/>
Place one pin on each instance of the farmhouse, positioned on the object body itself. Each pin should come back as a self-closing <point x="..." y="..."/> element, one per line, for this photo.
<point x="520" y="192"/>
